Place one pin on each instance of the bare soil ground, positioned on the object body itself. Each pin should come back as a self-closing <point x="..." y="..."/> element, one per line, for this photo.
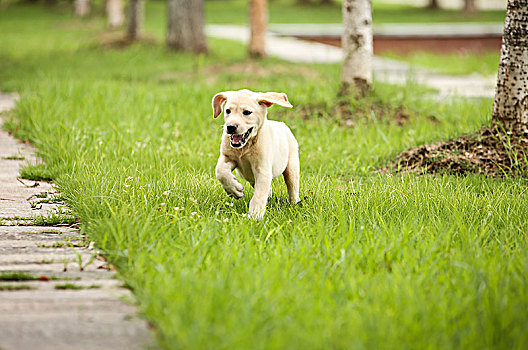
<point x="245" y="73"/>
<point x="406" y="45"/>
<point x="349" y="116"/>
<point x="490" y="152"/>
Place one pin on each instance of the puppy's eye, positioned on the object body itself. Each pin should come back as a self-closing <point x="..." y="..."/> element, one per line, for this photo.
<point x="228" y="111"/>
<point x="247" y="112"/>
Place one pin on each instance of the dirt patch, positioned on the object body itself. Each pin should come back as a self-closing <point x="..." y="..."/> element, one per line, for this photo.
<point x="489" y="152"/>
<point x="255" y="69"/>
<point x="398" y="115"/>
<point x="245" y="73"/>
<point x="349" y="116"/>
<point x="117" y="39"/>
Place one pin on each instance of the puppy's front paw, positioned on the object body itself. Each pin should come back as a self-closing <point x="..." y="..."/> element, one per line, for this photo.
<point x="236" y="190"/>
<point x="256" y="215"/>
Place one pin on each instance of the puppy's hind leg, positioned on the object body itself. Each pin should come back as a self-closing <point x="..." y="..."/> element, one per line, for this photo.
<point x="291" y="177"/>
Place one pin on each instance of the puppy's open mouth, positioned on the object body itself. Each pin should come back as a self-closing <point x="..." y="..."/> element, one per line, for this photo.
<point x="239" y="140"/>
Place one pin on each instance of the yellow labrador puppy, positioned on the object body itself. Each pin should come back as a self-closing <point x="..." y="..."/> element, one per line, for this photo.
<point x="258" y="148"/>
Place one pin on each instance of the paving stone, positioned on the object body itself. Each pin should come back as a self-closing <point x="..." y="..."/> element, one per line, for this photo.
<point x="465" y="29"/>
<point x="452" y="4"/>
<point x="33" y="233"/>
<point x="92" y="271"/>
<point x="82" y="281"/>
<point x="70" y="330"/>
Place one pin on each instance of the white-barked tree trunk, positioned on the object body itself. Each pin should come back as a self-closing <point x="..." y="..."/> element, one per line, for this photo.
<point x="82" y="7"/>
<point x="357" y="46"/>
<point x="115" y="13"/>
<point x="510" y="108"/>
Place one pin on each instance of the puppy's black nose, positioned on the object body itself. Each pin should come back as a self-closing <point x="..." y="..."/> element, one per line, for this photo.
<point x="231" y="128"/>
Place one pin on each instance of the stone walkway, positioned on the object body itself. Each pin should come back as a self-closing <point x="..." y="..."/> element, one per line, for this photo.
<point x="281" y="45"/>
<point x="452" y="4"/>
<point x="414" y="30"/>
<point x="54" y="305"/>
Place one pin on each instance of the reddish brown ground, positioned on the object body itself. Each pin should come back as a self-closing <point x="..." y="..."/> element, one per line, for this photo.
<point x="404" y="45"/>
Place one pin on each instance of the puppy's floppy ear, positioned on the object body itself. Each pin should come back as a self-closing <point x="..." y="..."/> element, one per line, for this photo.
<point x="274" y="98"/>
<point x="218" y="100"/>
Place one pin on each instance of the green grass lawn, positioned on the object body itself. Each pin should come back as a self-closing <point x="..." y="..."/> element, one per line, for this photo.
<point x="484" y="63"/>
<point x="366" y="261"/>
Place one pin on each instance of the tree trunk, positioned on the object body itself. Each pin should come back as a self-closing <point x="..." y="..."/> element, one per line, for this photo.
<point x="82" y="7"/>
<point x="433" y="4"/>
<point x="303" y="2"/>
<point x="357" y="46"/>
<point x="136" y="18"/>
<point x="185" y="26"/>
<point x="115" y="13"/>
<point x="258" y="21"/>
<point x="510" y="108"/>
<point x="470" y="6"/>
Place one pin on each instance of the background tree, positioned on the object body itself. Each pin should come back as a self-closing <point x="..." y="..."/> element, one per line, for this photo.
<point x="82" y="7"/>
<point x="357" y="46"/>
<point x="185" y="26"/>
<point x="318" y="2"/>
<point x="258" y="21"/>
<point x="136" y="19"/>
<point x="501" y="148"/>
<point x="433" y="4"/>
<point x="470" y="6"/>
<point x="510" y="107"/>
<point x="115" y="13"/>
